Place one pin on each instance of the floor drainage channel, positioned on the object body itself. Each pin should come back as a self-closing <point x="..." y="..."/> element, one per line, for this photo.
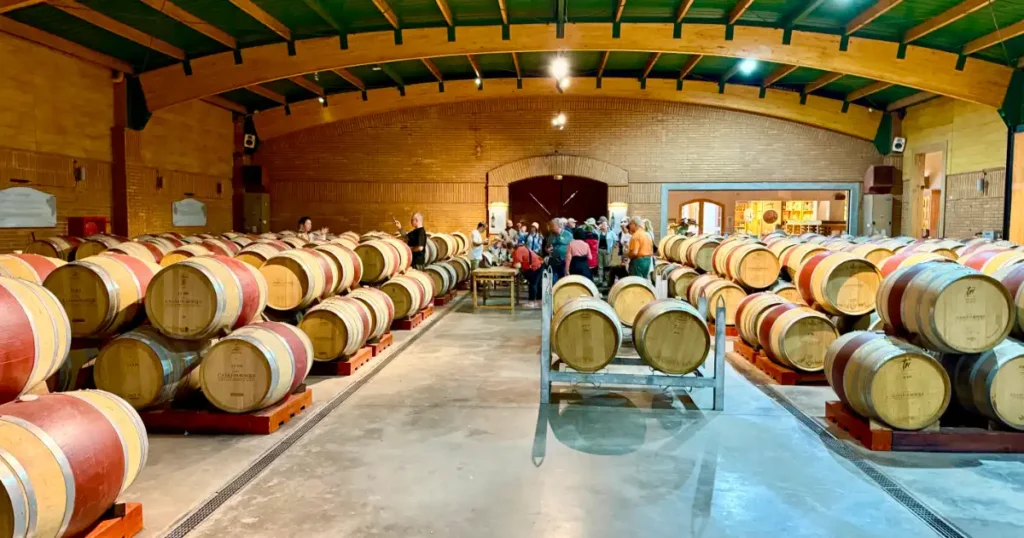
<point x="939" y="524"/>
<point x="193" y="520"/>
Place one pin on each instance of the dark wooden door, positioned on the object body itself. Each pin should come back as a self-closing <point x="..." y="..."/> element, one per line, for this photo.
<point x="540" y="199"/>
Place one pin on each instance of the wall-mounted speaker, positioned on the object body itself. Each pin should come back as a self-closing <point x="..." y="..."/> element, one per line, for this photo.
<point x="250" y="141"/>
<point x="899" y="144"/>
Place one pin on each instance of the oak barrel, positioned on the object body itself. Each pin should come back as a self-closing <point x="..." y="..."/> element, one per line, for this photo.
<point x="749" y="312"/>
<point x="906" y="259"/>
<point x="586" y="333"/>
<point x="628" y="295"/>
<point x="752" y="266"/>
<point x="795" y="257"/>
<point x="796" y="336"/>
<point x="380" y="261"/>
<point x="442" y="276"/>
<point x="32" y="267"/>
<point x="146" y="368"/>
<point x="425" y="283"/>
<point x="781" y="246"/>
<point x="788" y="291"/>
<point x="258" y="253"/>
<point x="406" y="294"/>
<point x="840" y="283"/>
<point x="570" y="287"/>
<point x="463" y="268"/>
<point x="700" y="253"/>
<point x="97" y="244"/>
<point x="142" y="250"/>
<point x="184" y="253"/>
<point x="679" y="280"/>
<point x="221" y="247"/>
<point x="866" y="322"/>
<point x="293" y="241"/>
<point x="382" y="309"/>
<point x="991" y="261"/>
<point x="445" y="245"/>
<point x="347" y="263"/>
<point x="714" y="287"/>
<point x="463" y="242"/>
<point x="1012" y="278"/>
<point x="990" y="383"/>
<point x="35" y="336"/>
<point x="937" y="247"/>
<point x="671" y="337"/>
<point x="295" y="278"/>
<point x="720" y="256"/>
<point x="336" y="328"/>
<point x="62" y="247"/>
<point x="256" y="366"/>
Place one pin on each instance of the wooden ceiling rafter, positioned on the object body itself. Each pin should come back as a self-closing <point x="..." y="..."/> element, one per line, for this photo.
<point x="503" y="7"/>
<point x="116" y="27"/>
<point x="446" y="12"/>
<point x="389" y="12"/>
<point x="184" y="17"/>
<point x="619" y="8"/>
<point x="949" y="16"/>
<point x="778" y="74"/>
<point x="995" y="38"/>
<point x="323" y="13"/>
<point x="870" y="89"/>
<point x="689" y="65"/>
<point x="350" y="78"/>
<point x="738" y="10"/>
<point x="268" y="93"/>
<point x="308" y="85"/>
<point x="910" y="100"/>
<point x="515" y="61"/>
<point x="873" y="11"/>
<point x="11" y="5"/>
<point x="683" y="9"/>
<point x="46" y="39"/>
<point x="603" y="64"/>
<point x="226" y="104"/>
<point x="821" y="81"/>
<point x="263" y="18"/>
<point x="476" y="66"/>
<point x="801" y="13"/>
<point x="433" y="69"/>
<point x="650" y="64"/>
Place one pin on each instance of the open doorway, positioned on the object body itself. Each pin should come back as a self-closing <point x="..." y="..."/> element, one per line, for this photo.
<point x="540" y="199"/>
<point x="933" y="185"/>
<point x="704" y="216"/>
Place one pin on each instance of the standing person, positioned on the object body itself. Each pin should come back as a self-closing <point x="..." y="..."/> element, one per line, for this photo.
<point x="559" y="246"/>
<point x="306" y="230"/>
<point x="417" y="239"/>
<point x="577" y="258"/>
<point x="476" y="253"/>
<point x="605" y="242"/>
<point x="510" y="233"/>
<point x="529" y="263"/>
<point x="523" y="233"/>
<point x="624" y="238"/>
<point x="534" y="241"/>
<point x="591" y="239"/>
<point x="641" y="249"/>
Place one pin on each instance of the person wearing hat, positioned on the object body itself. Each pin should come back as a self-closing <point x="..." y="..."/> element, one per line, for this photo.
<point x="590" y="237"/>
<point x="534" y="240"/>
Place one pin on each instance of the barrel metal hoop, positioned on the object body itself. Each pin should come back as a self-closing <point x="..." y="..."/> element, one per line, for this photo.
<point x="275" y="373"/>
<point x="22" y="495"/>
<point x="62" y="462"/>
<point x="35" y="338"/>
<point x="112" y="296"/>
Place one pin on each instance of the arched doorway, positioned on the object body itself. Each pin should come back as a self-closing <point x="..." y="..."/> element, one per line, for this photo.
<point x="539" y="199"/>
<point x="707" y="215"/>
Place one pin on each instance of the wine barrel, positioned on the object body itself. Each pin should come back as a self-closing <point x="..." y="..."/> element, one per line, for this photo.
<point x="720" y="256"/>
<point x="184" y="253"/>
<point x="200" y="298"/>
<point x="679" y="281"/>
<point x="380" y="261"/>
<point x="62" y="247"/>
<point x="426" y="284"/>
<point x="989" y="383"/>
<point x="570" y="287"/>
<point x="221" y="247"/>
<point x="346" y="241"/>
<point x="429" y="253"/>
<point x="837" y="246"/>
<point x="1012" y="278"/>
<point x="64" y="459"/>
<point x="866" y="322"/>
<point x="463" y="268"/>
<point x="256" y="366"/>
<point x="146" y="368"/>
<point x="102" y="294"/>
<point x="165" y="244"/>
<point x="714" y="287"/>
<point x="293" y="241"/>
<point x="840" y="283"/>
<point x="37" y="336"/>
<point x="671" y="337"/>
<point x="97" y="244"/>
<point x="951" y="308"/>
<point x="669" y="247"/>
<point x="908" y="258"/>
<point x="985" y="244"/>
<point x="700" y="254"/>
<point x="404" y="253"/>
<point x="141" y="250"/>
<point x="795" y="257"/>
<point x="406" y="294"/>
<point x="749" y="312"/>
<point x="787" y="291"/>
<point x="32" y="267"/>
<point x="628" y="295"/>
<point x="462" y="241"/>
<point x="382" y="309"/>
<point x="242" y="242"/>
<point x="258" y="253"/>
<point x="335" y="328"/>
<point x="887" y="379"/>
<point x="938" y="248"/>
<point x="442" y="277"/>
<point x="295" y="279"/>
<point x="991" y="261"/>
<point x="347" y="263"/>
<point x="780" y="247"/>
<point x="752" y="266"/>
<point x="445" y="245"/>
<point x="586" y="334"/>
<point x="875" y="254"/>
<point x="676" y="251"/>
<point x="796" y="336"/>
<point x="663" y="266"/>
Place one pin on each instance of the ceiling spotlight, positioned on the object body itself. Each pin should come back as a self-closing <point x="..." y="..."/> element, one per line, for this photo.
<point x="560" y="67"/>
<point x="316" y="76"/>
<point x="375" y="68"/>
<point x="559" y="121"/>
<point x="478" y="81"/>
<point x="321" y="99"/>
<point x="564" y="83"/>
<point x="748" y="66"/>
<point x="870" y="109"/>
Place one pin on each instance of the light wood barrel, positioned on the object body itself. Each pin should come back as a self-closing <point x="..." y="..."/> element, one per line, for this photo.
<point x="780" y="246"/>
<point x="62" y="247"/>
<point x="841" y="283"/>
<point x="671" y="336"/>
<point x="991" y="261"/>
<point x="720" y="256"/>
<point x="32" y="267"/>
<point x="951" y="308"/>
<point x="103" y="294"/>
<point x="293" y="241"/>
<point x="714" y="288"/>
<point x="628" y="295"/>
<point x="463" y="242"/>
<point x="37" y="336"/>
<point x="165" y="244"/>
<point x="787" y="291"/>
<point x="404" y="253"/>
<point x="442" y="277"/>
<point x="242" y="241"/>
<point x="797" y="338"/>
<point x="749" y="312"/>
<point x="256" y="366"/>
<point x="678" y="249"/>
<point x="989" y="384"/>
<point x="429" y="253"/>
<point x="97" y="244"/>
<point x="939" y="248"/>
<point x="837" y="246"/>
<point x="463" y="268"/>
<point x="570" y="287"/>
<point x="200" y="298"/>
<point x="662" y="268"/>
<point x="379" y="259"/>
<point x="669" y="247"/>
<point x="147" y="369"/>
<point x="295" y="278"/>
<point x="875" y="254"/>
<point x="346" y="241"/>
<point x="679" y="281"/>
<point x="335" y="328"/>
<point x="184" y="253"/>
<point x="586" y="334"/>
<point x="144" y="251"/>
<point x="382" y="309"/>
<point x="896" y="244"/>
<point x="258" y="253"/>
<point x="795" y="257"/>
<point x="752" y="266"/>
<point x="347" y="263"/>
<point x="700" y="254"/>
<point x="1012" y="278"/>
<point x="71" y="455"/>
<point x="906" y="259"/>
<point x="445" y="245"/>
<point x="813" y="238"/>
<point x="426" y="284"/>
<point x="984" y="244"/>
<point x="221" y="247"/>
<point x="887" y="379"/>
<point x="406" y="294"/>
<point x="867" y="322"/>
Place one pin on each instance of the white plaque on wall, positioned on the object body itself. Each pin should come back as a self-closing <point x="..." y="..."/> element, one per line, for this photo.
<point x="188" y="212"/>
<point x="23" y="207"/>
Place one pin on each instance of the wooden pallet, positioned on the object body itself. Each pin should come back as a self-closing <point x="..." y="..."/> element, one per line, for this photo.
<point x="382" y="343"/>
<point x="462" y="286"/>
<point x="428" y="311"/>
<point x="745" y="351"/>
<point x="935" y="438"/>
<point x="262" y="422"/>
<point x="730" y="331"/>
<point x="342" y="367"/>
<point x="445" y="299"/>
<point x="779" y="373"/>
<point x="123" y="520"/>
<point x="407" y="324"/>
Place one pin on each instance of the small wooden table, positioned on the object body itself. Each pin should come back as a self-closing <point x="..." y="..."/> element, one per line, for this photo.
<point x="507" y="275"/>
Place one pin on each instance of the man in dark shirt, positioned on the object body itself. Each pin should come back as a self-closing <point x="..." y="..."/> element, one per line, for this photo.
<point x="417" y="239"/>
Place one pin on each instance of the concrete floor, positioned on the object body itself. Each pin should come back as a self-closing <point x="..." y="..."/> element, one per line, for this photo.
<point x="449" y="440"/>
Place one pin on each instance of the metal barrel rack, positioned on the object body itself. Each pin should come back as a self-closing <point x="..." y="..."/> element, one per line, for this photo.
<point x="556" y="371"/>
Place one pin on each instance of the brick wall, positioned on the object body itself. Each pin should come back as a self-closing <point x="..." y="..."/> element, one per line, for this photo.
<point x="970" y="211"/>
<point x="355" y="174"/>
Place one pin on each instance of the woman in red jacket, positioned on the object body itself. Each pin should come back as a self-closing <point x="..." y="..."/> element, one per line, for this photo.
<point x="590" y="237"/>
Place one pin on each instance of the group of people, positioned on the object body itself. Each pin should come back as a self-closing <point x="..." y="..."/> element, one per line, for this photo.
<point x="569" y="248"/>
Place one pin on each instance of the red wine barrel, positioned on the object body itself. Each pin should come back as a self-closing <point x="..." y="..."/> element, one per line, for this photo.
<point x="991" y="261"/>
<point x="62" y="247"/>
<point x="381" y="308"/>
<point x="781" y="246"/>
<point x="234" y="372"/>
<point x="347" y="264"/>
<point x="875" y="254"/>
<point x="65" y="458"/>
<point x="295" y="278"/>
<point x="32" y="267"/>
<point x="184" y="253"/>
<point x="796" y="336"/>
<point x="887" y="379"/>
<point x="984" y="244"/>
<point x="148" y="369"/>
<point x="908" y="258"/>
<point x="949" y="307"/>
<point x="379" y="259"/>
<point x="749" y="311"/>
<point x="346" y="241"/>
<point x="143" y="251"/>
<point x="989" y="383"/>
<point x="293" y="241"/>
<point x="837" y="246"/>
<point x="752" y="266"/>
<point x="700" y="254"/>
<point x="200" y="298"/>
<point x="97" y="244"/>
<point x="102" y="294"/>
<point x="335" y="328"/>
<point x="258" y="253"/>
<point x="406" y="294"/>
<point x="36" y="336"/>
<point x="795" y="257"/>
<point x="839" y="282"/>
<point x="1012" y="278"/>
<point x="404" y="253"/>
<point x="670" y="335"/>
<point x="937" y="247"/>
<point x="221" y="247"/>
<point x="679" y="281"/>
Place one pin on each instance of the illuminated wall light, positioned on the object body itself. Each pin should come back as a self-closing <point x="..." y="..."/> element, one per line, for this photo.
<point x="559" y="67"/>
<point x="564" y="83"/>
<point x="478" y="82"/>
<point x="321" y="99"/>
<point x="748" y="66"/>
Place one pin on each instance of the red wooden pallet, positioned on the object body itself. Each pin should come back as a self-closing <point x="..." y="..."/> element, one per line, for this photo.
<point x="382" y="343"/>
<point x="427" y="312"/>
<point x="445" y="299"/>
<point x="339" y="367"/>
<point x="123" y="520"/>
<point x="745" y="351"/>
<point x="730" y="331"/>
<point x="868" y="433"/>
<point x="262" y="422"/>
<point x="407" y="324"/>
<point x="462" y="286"/>
<point x="780" y="374"/>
